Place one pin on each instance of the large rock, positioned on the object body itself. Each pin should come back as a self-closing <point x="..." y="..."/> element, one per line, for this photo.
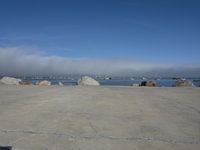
<point x="183" y="83"/>
<point x="43" y="83"/>
<point x="10" y="81"/>
<point x="149" y="83"/>
<point x="86" y="80"/>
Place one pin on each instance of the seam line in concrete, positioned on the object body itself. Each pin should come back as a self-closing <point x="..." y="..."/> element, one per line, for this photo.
<point x="139" y="139"/>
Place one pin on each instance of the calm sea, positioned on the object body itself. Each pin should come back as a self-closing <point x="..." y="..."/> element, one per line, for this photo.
<point x="118" y="81"/>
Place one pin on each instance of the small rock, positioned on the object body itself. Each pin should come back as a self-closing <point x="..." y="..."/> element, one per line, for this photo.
<point x="43" y="83"/>
<point x="26" y="83"/>
<point x="135" y="84"/>
<point x="60" y="84"/>
<point x="86" y="80"/>
<point x="149" y="83"/>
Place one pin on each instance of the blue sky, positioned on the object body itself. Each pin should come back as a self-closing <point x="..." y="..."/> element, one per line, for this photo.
<point x="160" y="31"/>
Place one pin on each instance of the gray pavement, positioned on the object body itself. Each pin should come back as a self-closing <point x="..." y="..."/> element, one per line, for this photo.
<point x="99" y="118"/>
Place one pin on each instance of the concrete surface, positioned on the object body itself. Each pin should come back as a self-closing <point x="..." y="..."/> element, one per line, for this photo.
<point x="99" y="118"/>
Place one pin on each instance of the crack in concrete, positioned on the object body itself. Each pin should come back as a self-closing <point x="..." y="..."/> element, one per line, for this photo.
<point x="139" y="139"/>
<point x="91" y="125"/>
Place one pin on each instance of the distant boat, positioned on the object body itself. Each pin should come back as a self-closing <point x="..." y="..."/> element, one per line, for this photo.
<point x="143" y="78"/>
<point x="132" y="79"/>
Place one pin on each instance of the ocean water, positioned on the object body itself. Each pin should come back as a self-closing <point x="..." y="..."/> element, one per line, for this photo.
<point x="167" y="82"/>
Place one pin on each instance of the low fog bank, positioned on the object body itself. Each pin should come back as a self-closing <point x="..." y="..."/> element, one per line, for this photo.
<point x="23" y="62"/>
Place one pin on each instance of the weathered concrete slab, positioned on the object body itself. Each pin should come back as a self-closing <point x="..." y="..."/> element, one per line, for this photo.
<point x="100" y="118"/>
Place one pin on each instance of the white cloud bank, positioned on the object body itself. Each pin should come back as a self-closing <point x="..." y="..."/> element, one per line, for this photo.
<point x="22" y="61"/>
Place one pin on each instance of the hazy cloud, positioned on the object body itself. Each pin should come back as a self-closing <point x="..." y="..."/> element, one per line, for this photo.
<point x="27" y="61"/>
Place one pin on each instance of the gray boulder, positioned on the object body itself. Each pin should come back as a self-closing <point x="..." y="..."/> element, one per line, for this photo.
<point x="183" y="83"/>
<point x="10" y="81"/>
<point x="43" y="83"/>
<point x="86" y="80"/>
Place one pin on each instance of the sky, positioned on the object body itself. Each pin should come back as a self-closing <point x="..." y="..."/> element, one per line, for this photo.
<point x="99" y="36"/>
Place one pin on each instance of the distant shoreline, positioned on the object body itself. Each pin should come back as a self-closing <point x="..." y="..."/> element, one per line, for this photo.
<point x="112" y="81"/>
